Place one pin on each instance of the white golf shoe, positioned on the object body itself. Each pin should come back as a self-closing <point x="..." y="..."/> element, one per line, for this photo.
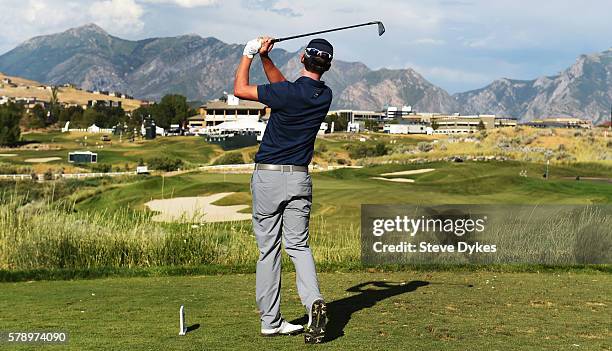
<point x="285" y="328"/>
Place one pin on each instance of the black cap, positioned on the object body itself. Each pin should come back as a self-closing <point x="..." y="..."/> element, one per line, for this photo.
<point x="321" y="44"/>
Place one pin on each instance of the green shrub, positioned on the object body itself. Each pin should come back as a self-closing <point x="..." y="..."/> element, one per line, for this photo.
<point x="424" y="146"/>
<point x="165" y="163"/>
<point x="320" y="148"/>
<point x="48" y="175"/>
<point x="230" y="158"/>
<point x="7" y="168"/>
<point x="101" y="167"/>
<point x="363" y="150"/>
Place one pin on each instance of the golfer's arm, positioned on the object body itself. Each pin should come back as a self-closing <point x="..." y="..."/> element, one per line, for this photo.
<point x="242" y="89"/>
<point x="274" y="74"/>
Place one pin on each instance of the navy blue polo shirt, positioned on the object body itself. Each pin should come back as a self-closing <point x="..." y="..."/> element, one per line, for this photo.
<point x="298" y="109"/>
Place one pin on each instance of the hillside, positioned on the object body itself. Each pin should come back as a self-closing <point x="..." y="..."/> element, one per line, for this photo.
<point x="26" y="88"/>
<point x="203" y="68"/>
<point x="199" y="68"/>
<point x="583" y="90"/>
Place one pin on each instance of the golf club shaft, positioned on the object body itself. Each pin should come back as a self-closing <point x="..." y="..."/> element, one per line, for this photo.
<point x="323" y="31"/>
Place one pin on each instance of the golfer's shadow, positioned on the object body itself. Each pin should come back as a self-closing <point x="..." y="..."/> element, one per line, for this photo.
<point x="339" y="312"/>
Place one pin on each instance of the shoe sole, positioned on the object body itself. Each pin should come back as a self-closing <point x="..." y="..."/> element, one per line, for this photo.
<point x="282" y="334"/>
<point x="315" y="332"/>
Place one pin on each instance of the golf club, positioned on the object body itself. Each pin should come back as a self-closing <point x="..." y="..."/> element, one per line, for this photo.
<point x="381" y="30"/>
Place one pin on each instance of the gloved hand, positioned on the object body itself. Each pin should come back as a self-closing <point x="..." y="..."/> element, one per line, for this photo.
<point x="252" y="48"/>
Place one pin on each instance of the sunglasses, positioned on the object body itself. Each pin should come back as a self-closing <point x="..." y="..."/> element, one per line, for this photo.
<point x="317" y="52"/>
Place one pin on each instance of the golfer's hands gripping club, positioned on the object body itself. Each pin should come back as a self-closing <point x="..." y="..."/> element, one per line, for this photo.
<point x="267" y="43"/>
<point x="252" y="47"/>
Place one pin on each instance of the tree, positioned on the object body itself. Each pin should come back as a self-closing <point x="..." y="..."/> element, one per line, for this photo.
<point x="481" y="125"/>
<point x="136" y="118"/>
<point x="371" y="125"/>
<point x="54" y="108"/>
<point x="73" y="114"/>
<point x="90" y="116"/>
<point x="434" y="125"/>
<point x="172" y="109"/>
<point x="10" y="117"/>
<point x="340" y="123"/>
<point x="108" y="116"/>
<point x="37" y="118"/>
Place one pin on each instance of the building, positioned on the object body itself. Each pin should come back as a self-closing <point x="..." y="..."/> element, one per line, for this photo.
<point x="234" y="134"/>
<point x="82" y="157"/>
<point x="323" y="128"/>
<point x="353" y="116"/>
<point x="356" y="118"/>
<point x="196" y="122"/>
<point x="95" y="129"/>
<point x="28" y="103"/>
<point x="227" y="109"/>
<point x="393" y="112"/>
<point x="408" y="128"/>
<point x="505" y="122"/>
<point x="561" y="122"/>
<point x="459" y="124"/>
<point x="109" y="103"/>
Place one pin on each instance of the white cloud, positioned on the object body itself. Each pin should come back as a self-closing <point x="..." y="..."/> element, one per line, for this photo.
<point x="429" y="41"/>
<point x="458" y="43"/>
<point x="451" y="75"/>
<point x="183" y="3"/>
<point x="121" y="16"/>
<point x="455" y="75"/>
<point x="26" y="19"/>
<point x="283" y="8"/>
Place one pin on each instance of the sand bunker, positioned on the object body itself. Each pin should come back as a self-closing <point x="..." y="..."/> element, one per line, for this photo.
<point x="196" y="209"/>
<point x="412" y="171"/>
<point x="43" y="159"/>
<point x="7" y="155"/>
<point x="396" y="180"/>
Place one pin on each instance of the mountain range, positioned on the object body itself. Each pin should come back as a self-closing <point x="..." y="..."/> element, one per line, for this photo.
<point x="203" y="68"/>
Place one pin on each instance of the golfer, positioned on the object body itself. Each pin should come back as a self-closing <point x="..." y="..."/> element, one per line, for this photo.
<point x="281" y="186"/>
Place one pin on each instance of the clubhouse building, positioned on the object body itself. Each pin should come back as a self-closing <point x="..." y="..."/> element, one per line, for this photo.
<point x="228" y="109"/>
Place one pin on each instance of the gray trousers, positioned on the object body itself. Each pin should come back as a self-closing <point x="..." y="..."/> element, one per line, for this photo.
<point x="281" y="208"/>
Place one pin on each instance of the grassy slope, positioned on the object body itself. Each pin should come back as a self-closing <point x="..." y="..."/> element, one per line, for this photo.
<point x="339" y="194"/>
<point x="190" y="149"/>
<point x="432" y="311"/>
<point x="67" y="95"/>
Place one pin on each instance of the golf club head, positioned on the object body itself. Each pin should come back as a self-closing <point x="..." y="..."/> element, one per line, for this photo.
<point x="381" y="28"/>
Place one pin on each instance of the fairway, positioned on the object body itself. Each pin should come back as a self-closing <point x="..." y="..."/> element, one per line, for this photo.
<point x="338" y="195"/>
<point x="374" y="311"/>
<point x="51" y="150"/>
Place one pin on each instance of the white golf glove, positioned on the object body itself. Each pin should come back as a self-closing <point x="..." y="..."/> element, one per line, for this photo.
<point x="252" y="48"/>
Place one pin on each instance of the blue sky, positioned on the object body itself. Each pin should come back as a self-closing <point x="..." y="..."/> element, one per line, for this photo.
<point x="456" y="44"/>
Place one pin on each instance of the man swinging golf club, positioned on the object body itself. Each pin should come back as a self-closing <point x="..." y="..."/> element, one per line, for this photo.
<point x="281" y="186"/>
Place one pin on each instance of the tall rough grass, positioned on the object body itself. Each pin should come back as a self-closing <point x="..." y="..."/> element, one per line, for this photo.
<point x="548" y="234"/>
<point x="51" y="236"/>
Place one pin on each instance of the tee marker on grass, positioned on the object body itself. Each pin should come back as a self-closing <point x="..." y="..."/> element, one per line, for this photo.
<point x="182" y="328"/>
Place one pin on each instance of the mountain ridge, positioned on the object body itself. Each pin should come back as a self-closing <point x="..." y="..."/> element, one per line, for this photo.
<point x="582" y="90"/>
<point x="202" y="68"/>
